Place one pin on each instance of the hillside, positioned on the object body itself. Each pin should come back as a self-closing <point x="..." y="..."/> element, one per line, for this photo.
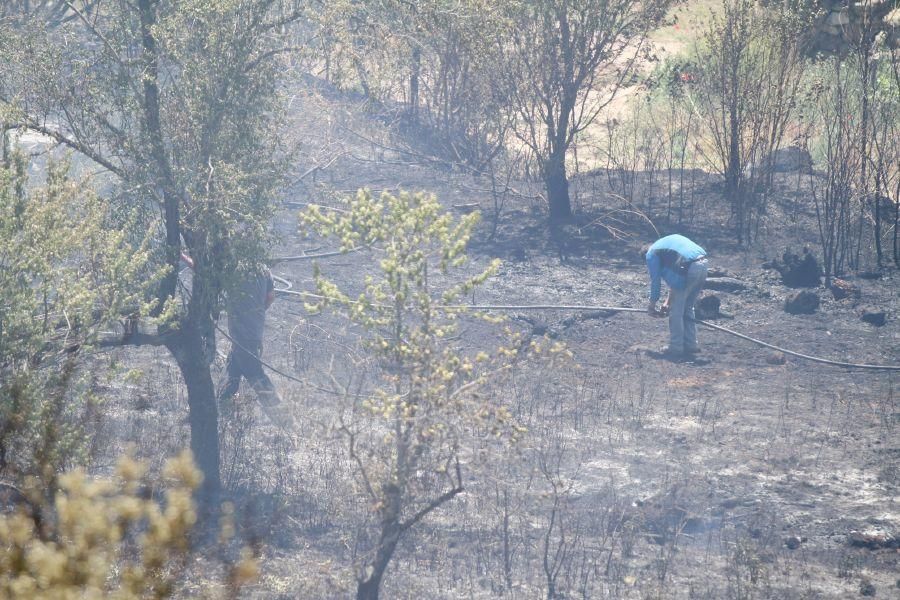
<point x="733" y="477"/>
<point x="453" y="200"/>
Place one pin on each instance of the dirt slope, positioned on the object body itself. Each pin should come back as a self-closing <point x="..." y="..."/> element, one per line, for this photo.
<point x="731" y="479"/>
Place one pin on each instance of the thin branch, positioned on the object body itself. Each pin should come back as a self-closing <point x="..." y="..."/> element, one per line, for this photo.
<point x="351" y="437"/>
<point x="96" y="32"/>
<point x="317" y="167"/>
<point x="66" y="141"/>
<point x="269" y="54"/>
<point x="135" y="339"/>
<point x="437" y="502"/>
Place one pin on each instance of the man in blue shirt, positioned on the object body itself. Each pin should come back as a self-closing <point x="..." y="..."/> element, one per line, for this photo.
<point x="682" y="264"/>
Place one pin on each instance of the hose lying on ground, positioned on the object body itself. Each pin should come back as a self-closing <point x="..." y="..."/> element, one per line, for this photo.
<point x="616" y="309"/>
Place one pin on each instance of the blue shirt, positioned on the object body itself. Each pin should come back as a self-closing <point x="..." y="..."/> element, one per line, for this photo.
<point x="684" y="247"/>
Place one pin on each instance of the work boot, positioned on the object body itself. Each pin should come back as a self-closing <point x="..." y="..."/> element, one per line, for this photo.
<point x="277" y="411"/>
<point x="667" y="353"/>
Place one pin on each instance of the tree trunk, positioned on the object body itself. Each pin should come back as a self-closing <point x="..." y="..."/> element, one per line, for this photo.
<point x="897" y="228"/>
<point x="4" y="146"/>
<point x="152" y="124"/>
<point x="203" y="417"/>
<point x="414" y="82"/>
<point x="733" y="174"/>
<point x="557" y="186"/>
<point x="190" y="347"/>
<point x="368" y="588"/>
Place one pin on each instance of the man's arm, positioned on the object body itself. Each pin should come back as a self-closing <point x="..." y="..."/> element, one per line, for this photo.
<point x="654" y="266"/>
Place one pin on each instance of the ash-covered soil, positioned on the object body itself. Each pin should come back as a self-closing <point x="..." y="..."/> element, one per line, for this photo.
<point x="638" y="478"/>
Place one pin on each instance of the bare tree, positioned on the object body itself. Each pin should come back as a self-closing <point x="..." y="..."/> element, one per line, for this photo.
<point x="894" y="86"/>
<point x="570" y="59"/>
<point x="884" y="157"/>
<point x="835" y="196"/>
<point x="676" y="125"/>
<point x="866" y="46"/>
<point x="436" y="61"/>
<point x="749" y="73"/>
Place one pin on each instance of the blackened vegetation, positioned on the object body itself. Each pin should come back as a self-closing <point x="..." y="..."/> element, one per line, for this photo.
<point x="798" y="270"/>
<point x="740" y="477"/>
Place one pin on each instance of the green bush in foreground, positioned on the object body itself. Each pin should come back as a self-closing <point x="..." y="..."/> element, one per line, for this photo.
<point x="105" y="538"/>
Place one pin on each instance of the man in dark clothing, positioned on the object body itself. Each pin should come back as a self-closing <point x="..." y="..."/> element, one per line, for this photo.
<point x="682" y="265"/>
<point x="247" y="305"/>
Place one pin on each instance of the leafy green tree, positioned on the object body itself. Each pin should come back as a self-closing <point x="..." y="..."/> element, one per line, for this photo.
<point x="177" y="103"/>
<point x="406" y="447"/>
<point x="64" y="275"/>
<point x="570" y="59"/>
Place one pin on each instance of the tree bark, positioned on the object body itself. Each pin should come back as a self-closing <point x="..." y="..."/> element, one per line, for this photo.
<point x="557" y="186"/>
<point x="203" y="414"/>
<point x="190" y="347"/>
<point x="369" y="588"/>
<point x="733" y="172"/>
<point x="391" y="528"/>
<point x="416" y="68"/>
<point x="152" y="124"/>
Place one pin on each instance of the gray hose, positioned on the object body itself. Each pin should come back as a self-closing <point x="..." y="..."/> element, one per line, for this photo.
<point x="614" y="309"/>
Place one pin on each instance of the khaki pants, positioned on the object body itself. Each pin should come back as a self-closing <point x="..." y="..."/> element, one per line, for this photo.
<point x="682" y="329"/>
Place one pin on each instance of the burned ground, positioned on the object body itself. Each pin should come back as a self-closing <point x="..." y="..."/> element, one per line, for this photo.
<point x="637" y="478"/>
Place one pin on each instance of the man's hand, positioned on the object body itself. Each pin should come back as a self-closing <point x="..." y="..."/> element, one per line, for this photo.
<point x="653" y="312"/>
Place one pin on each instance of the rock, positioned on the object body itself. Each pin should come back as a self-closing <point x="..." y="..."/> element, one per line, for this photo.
<point x="716" y="272"/>
<point x="776" y="358"/>
<point x="869" y="275"/>
<point x="789" y="159"/>
<point x="792" y="542"/>
<point x="866" y="588"/>
<point x="873" y="316"/>
<point x="796" y="270"/>
<point x="802" y="303"/>
<point x="467" y="208"/>
<point x="725" y="284"/>
<point x="842" y="289"/>
<point x="708" y="307"/>
<point x="873" y="540"/>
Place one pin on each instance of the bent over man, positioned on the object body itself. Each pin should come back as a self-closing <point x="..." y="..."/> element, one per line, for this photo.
<point x="682" y="264"/>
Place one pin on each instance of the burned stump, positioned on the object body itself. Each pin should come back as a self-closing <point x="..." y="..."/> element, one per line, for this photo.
<point x="798" y="271"/>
